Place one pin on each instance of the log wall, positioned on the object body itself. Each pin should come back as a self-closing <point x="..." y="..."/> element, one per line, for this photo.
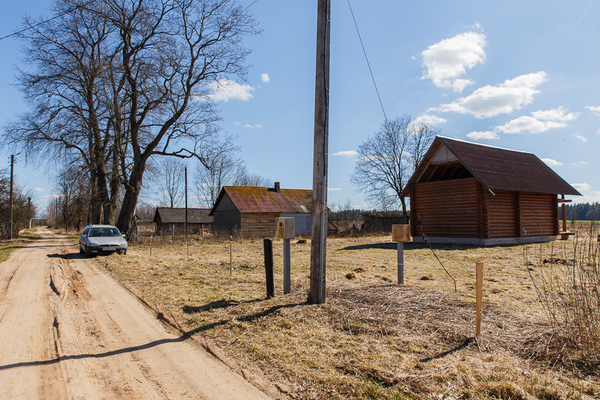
<point x="503" y="214"/>
<point x="447" y="208"/>
<point x="539" y="214"/>
<point x="464" y="208"/>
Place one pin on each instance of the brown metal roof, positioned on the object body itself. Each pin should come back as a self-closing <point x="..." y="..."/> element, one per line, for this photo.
<point x="498" y="169"/>
<point x="251" y="199"/>
<point x="177" y="215"/>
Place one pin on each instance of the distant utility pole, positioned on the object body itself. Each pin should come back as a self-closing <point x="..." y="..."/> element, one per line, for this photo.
<point x="186" y="206"/>
<point x="321" y="144"/>
<point x="10" y="212"/>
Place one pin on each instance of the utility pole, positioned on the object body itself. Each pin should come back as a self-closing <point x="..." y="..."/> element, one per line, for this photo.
<point x="186" y="206"/>
<point x="10" y="212"/>
<point x="321" y="144"/>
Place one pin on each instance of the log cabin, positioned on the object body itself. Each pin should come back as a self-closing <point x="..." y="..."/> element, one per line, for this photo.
<point x="467" y="193"/>
<point x="252" y="211"/>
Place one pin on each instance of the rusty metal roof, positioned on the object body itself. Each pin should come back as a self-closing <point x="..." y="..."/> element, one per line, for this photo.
<point x="251" y="199"/>
<point x="177" y="215"/>
<point x="498" y="169"/>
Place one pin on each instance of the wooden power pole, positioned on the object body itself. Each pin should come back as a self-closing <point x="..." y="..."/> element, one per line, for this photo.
<point x="321" y="144"/>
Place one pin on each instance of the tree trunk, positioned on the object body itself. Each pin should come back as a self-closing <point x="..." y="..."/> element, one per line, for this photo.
<point x="403" y="202"/>
<point x="126" y="220"/>
<point x="110" y="210"/>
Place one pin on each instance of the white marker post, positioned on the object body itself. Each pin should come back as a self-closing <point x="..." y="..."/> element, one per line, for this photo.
<point x="401" y="234"/>
<point x="286" y="230"/>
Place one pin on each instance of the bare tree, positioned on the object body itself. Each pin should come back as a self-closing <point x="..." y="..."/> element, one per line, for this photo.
<point x="170" y="51"/>
<point x="67" y="59"/>
<point x="388" y="158"/>
<point x="243" y="177"/>
<point x="224" y="169"/>
<point x="118" y="82"/>
<point x="209" y="181"/>
<point x="170" y="181"/>
<point x="22" y="208"/>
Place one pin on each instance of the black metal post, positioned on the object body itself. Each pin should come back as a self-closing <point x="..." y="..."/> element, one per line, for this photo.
<point x="268" y="245"/>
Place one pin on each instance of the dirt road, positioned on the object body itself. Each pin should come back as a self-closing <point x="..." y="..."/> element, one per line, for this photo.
<point x="68" y="330"/>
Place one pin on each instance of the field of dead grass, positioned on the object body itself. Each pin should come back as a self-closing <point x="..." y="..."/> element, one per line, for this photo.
<point x="372" y="338"/>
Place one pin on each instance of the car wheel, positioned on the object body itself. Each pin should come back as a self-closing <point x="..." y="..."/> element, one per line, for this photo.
<point x="88" y="253"/>
<point x="81" y="250"/>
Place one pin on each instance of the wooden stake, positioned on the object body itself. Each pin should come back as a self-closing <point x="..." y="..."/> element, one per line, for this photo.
<point x="150" y="244"/>
<point x="478" y="294"/>
<point x="230" y="259"/>
<point x="287" y="280"/>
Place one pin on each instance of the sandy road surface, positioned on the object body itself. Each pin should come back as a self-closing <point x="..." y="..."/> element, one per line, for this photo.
<point x="67" y="330"/>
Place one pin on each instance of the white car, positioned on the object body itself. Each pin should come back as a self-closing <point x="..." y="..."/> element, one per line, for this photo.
<point x="101" y="239"/>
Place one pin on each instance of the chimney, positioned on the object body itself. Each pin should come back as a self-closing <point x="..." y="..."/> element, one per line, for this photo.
<point x="277" y="187"/>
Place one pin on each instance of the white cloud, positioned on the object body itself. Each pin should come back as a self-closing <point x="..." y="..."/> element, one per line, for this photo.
<point x="487" y="135"/>
<point x="580" y="137"/>
<point x="265" y="78"/>
<point x="580" y="163"/>
<point x="489" y="101"/>
<point x="346" y="153"/>
<point x="551" y="162"/>
<point x="598" y="132"/>
<point x="581" y="187"/>
<point x="594" y="109"/>
<point x="248" y="126"/>
<point x="430" y="120"/>
<point x="539" y="121"/>
<point x="39" y="189"/>
<point x="225" y="90"/>
<point x="258" y="126"/>
<point x="591" y="197"/>
<point x="450" y="59"/>
<point x="334" y="189"/>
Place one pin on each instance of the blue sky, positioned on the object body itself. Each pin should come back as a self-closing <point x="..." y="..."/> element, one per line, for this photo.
<point x="521" y="75"/>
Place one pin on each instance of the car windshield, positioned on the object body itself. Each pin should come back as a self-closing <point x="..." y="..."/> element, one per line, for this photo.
<point x="104" y="232"/>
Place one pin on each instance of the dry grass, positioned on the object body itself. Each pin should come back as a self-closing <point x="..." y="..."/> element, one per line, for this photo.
<point x="372" y="338"/>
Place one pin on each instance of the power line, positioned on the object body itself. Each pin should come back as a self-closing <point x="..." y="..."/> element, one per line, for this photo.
<point x="254" y="2"/>
<point x="51" y="19"/>
<point x="367" y="59"/>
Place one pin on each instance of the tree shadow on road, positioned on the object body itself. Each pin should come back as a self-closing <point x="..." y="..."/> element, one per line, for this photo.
<point x="185" y="335"/>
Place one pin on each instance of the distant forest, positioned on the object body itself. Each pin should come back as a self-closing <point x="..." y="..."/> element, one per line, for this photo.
<point x="582" y="212"/>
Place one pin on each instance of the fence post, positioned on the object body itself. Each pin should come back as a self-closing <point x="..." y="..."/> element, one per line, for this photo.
<point x="400" y="263"/>
<point x="287" y="272"/>
<point x="479" y="290"/>
<point x="268" y="246"/>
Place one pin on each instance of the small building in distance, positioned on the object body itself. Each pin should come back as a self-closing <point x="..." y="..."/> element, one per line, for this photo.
<point x="463" y="192"/>
<point x="171" y="221"/>
<point x="252" y="211"/>
<point x="381" y="222"/>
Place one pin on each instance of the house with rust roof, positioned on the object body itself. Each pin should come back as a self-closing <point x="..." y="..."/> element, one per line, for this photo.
<point x="463" y="192"/>
<point x="252" y="211"/>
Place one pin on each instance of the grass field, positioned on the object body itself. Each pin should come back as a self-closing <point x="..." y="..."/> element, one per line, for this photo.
<point x="372" y="338"/>
<point x="7" y="246"/>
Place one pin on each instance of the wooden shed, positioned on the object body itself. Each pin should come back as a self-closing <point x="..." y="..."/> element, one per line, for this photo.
<point x="171" y="221"/>
<point x="463" y="192"/>
<point x="381" y="222"/>
<point x="252" y="211"/>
